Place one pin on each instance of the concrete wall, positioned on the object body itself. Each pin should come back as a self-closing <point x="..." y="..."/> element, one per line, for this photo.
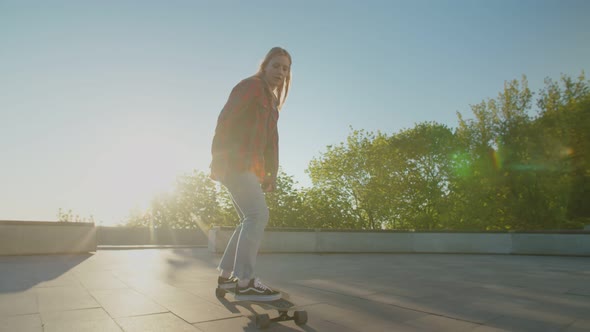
<point x="556" y="244"/>
<point x="25" y="238"/>
<point x="114" y="236"/>
<point x="471" y="243"/>
<point x="30" y="238"/>
<point x="325" y="241"/>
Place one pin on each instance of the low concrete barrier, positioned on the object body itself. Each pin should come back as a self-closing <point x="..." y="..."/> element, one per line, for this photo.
<point x="38" y="237"/>
<point x="552" y="244"/>
<point x="133" y="236"/>
<point x="332" y="241"/>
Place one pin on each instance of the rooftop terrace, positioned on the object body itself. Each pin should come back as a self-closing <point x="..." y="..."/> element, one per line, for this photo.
<point x="173" y="290"/>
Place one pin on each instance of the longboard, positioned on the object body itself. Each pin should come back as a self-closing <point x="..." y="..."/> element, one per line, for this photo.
<point x="282" y="306"/>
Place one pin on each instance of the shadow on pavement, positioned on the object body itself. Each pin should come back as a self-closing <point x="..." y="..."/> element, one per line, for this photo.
<point x="19" y="273"/>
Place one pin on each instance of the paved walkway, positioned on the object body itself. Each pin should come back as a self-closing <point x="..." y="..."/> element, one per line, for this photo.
<point x="173" y="290"/>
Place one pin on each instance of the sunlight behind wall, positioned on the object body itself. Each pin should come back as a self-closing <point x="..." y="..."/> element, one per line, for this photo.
<point x="130" y="173"/>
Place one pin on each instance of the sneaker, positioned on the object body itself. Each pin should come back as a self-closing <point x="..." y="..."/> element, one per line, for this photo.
<point x="256" y="291"/>
<point x="227" y="283"/>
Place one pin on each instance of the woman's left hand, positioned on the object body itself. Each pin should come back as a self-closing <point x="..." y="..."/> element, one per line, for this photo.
<point x="268" y="185"/>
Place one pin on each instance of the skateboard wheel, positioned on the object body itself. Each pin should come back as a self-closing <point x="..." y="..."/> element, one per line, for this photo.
<point x="262" y="321"/>
<point x="300" y="317"/>
<point x="219" y="292"/>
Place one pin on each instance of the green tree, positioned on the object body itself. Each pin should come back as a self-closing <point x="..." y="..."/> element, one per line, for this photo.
<point x="345" y="178"/>
<point x="285" y="204"/>
<point x="423" y="160"/>
<point x="563" y="128"/>
<point x="69" y="216"/>
<point x="519" y="172"/>
<point x="325" y="207"/>
<point x="493" y="190"/>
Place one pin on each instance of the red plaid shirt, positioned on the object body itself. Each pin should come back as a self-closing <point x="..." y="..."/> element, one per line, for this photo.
<point x="246" y="137"/>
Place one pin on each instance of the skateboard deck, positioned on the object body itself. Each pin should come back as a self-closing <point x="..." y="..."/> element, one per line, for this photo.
<point x="283" y="306"/>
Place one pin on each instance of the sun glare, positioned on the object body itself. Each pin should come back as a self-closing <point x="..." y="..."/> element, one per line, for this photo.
<point x="134" y="171"/>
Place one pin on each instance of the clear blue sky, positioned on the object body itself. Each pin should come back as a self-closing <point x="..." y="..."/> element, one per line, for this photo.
<point x="104" y="103"/>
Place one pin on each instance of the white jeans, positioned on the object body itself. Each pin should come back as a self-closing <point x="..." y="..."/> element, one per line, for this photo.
<point x="242" y="249"/>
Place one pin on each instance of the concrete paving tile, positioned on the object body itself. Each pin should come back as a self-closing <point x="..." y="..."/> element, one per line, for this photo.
<point x="313" y="295"/>
<point x="543" y="314"/>
<point x="565" y="305"/>
<point x="126" y="302"/>
<point x="238" y="323"/>
<point x="380" y="326"/>
<point x="189" y="307"/>
<point x="148" y="286"/>
<point x="579" y="326"/>
<point x="156" y="323"/>
<point x="64" y="280"/>
<point x="439" y="323"/>
<point x="350" y="305"/>
<point x="579" y="291"/>
<point x="20" y="303"/>
<point x="433" y="289"/>
<point x="497" y="306"/>
<point x="364" y="320"/>
<point x="318" y="324"/>
<point x="460" y="309"/>
<point x="161" y="291"/>
<point x="337" y="287"/>
<point x="86" y="326"/>
<point x="412" y="290"/>
<point x="511" y="323"/>
<point x="100" y="281"/>
<point x="525" y="296"/>
<point x="527" y="320"/>
<point x="196" y="310"/>
<point x="64" y="298"/>
<point x="192" y="273"/>
<point x="298" y="300"/>
<point x="400" y="301"/>
<point x="87" y="320"/>
<point x="23" y="323"/>
<point x="485" y="328"/>
<point x="74" y="315"/>
<point x="204" y="291"/>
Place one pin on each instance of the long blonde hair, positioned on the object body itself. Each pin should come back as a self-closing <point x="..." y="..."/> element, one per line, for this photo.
<point x="282" y="89"/>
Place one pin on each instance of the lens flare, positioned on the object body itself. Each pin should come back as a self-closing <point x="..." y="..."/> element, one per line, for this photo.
<point x="497" y="160"/>
<point x="567" y="152"/>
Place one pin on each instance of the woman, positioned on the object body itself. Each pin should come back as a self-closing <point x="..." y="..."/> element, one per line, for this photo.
<point x="246" y="161"/>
